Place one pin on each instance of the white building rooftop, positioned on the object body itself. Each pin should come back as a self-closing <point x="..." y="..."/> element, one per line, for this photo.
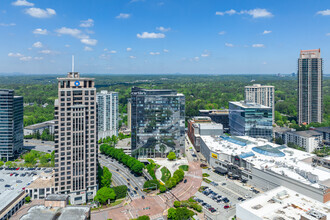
<point x="265" y="155"/>
<point x="282" y="203"/>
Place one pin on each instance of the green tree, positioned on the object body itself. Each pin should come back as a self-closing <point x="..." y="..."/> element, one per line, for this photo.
<point x="171" y="156"/>
<point x="120" y="191"/>
<point x="104" y="194"/>
<point x="27" y="199"/>
<point x="177" y="204"/>
<point x="151" y="184"/>
<point x="171" y="213"/>
<point x="1" y="163"/>
<point x="183" y="214"/>
<point x="143" y="217"/>
<point x="106" y="178"/>
<point x="162" y="188"/>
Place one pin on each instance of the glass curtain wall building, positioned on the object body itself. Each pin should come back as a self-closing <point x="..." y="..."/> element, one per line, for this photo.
<point x="158" y="122"/>
<point x="310" y="73"/>
<point x="250" y="119"/>
<point x="11" y="124"/>
<point x="107" y="114"/>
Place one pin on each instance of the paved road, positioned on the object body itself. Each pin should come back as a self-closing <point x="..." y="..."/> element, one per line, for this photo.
<point x="155" y="205"/>
<point x="122" y="176"/>
<point x="39" y="145"/>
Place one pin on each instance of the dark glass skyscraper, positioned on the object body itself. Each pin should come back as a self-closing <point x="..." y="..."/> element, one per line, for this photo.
<point x="158" y="122"/>
<point x="250" y="119"/>
<point x="310" y="73"/>
<point x="11" y="124"/>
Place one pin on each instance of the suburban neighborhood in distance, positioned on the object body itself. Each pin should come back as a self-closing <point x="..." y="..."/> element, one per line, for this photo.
<point x="116" y="110"/>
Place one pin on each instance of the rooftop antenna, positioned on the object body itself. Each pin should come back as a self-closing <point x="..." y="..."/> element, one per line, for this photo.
<point x="72" y="63"/>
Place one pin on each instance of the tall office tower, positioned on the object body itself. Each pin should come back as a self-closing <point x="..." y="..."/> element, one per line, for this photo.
<point x="107" y="114"/>
<point x="129" y="113"/>
<point x="263" y="95"/>
<point x="76" y="138"/>
<point x="310" y="74"/>
<point x="11" y="124"/>
<point x="250" y="119"/>
<point x="158" y="122"/>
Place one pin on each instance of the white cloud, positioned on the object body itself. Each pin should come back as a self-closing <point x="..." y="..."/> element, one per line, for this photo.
<point x="255" y="13"/>
<point x="7" y="25"/>
<point x="37" y="44"/>
<point x="28" y="58"/>
<point x="229" y="45"/>
<point x="72" y="32"/>
<point x="162" y="29"/>
<point x="87" y="23"/>
<point x="38" y="58"/>
<point x="264" y="63"/>
<point x="22" y="3"/>
<point x="104" y="56"/>
<point x="132" y="57"/>
<point x="128" y="49"/>
<point x="258" y="45"/>
<point x="40" y="13"/>
<point x="196" y="58"/>
<point x="324" y="12"/>
<point x="266" y="32"/>
<point x="154" y="53"/>
<point x="113" y="51"/>
<point x="123" y="16"/>
<point x="88" y="41"/>
<point x="222" y="32"/>
<point x="40" y="31"/>
<point x="88" y="48"/>
<point x="146" y="35"/>
<point x="67" y="45"/>
<point x="15" y="55"/>
<point x="259" y="13"/>
<point x="166" y="51"/>
<point x="45" y="51"/>
<point x="205" y="55"/>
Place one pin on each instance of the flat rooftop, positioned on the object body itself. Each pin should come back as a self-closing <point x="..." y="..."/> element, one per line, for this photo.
<point x="273" y="157"/>
<point x="323" y="129"/>
<point x="68" y="213"/>
<point x="40" y="125"/>
<point x="244" y="104"/>
<point x="308" y="133"/>
<point x="283" y="203"/>
<point x="12" y="186"/>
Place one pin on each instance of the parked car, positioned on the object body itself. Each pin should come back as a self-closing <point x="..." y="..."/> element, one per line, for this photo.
<point x="11" y="174"/>
<point x="239" y="198"/>
<point x="226" y="207"/>
<point x="185" y="180"/>
<point x="143" y="197"/>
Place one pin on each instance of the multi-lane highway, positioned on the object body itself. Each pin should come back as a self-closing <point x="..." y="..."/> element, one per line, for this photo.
<point x="121" y="175"/>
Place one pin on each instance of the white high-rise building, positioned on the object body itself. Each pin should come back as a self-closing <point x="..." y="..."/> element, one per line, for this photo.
<point x="263" y="95"/>
<point x="107" y="113"/>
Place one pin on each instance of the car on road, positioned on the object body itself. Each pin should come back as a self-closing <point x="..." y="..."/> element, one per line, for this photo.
<point x="117" y="169"/>
<point x="128" y="184"/>
<point x="239" y="198"/>
<point x="136" y="188"/>
<point x="11" y="174"/>
<point x="143" y="197"/>
<point x="18" y="181"/>
<point x="185" y="180"/>
<point x="128" y="179"/>
<point x="226" y="207"/>
<point x="223" y="184"/>
<point x="135" y="192"/>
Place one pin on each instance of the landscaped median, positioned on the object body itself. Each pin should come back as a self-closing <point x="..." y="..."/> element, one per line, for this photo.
<point x="166" y="174"/>
<point x="184" y="167"/>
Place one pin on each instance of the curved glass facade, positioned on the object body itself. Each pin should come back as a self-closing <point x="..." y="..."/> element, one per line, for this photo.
<point x="269" y="151"/>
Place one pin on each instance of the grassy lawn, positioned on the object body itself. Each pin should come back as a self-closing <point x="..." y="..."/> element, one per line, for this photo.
<point x="184" y="167"/>
<point x="206" y="174"/>
<point x="207" y="180"/>
<point x="166" y="174"/>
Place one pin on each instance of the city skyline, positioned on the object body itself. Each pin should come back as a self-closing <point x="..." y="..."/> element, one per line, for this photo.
<point x="160" y="36"/>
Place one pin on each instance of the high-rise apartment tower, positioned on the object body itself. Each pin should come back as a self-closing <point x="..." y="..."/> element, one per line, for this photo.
<point x="310" y="75"/>
<point x="107" y="114"/>
<point x="263" y="95"/>
<point x="76" y="138"/>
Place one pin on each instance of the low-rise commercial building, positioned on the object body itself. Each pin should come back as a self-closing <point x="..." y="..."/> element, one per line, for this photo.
<point x="250" y="119"/>
<point x="266" y="165"/>
<point x="40" y="127"/>
<point x="309" y="140"/>
<point x="43" y="186"/>
<point x="220" y="116"/>
<point x="282" y="203"/>
<point x="202" y="125"/>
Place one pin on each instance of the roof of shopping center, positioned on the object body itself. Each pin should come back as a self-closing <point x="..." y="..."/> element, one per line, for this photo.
<point x="283" y="203"/>
<point x="276" y="158"/>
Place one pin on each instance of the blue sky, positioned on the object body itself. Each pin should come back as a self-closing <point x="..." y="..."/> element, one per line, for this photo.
<point x="161" y="36"/>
